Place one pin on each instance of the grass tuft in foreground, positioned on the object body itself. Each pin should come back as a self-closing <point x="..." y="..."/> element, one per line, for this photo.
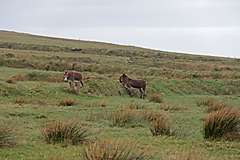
<point x="222" y="124"/>
<point x="65" y="132"/>
<point x="7" y="135"/>
<point x="116" y="149"/>
<point x="159" y="125"/>
<point x="156" y="98"/>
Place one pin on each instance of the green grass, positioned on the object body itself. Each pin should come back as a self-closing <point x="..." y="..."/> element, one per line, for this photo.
<point x="32" y="98"/>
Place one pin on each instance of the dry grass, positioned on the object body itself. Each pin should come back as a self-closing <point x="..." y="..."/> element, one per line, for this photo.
<point x="116" y="149"/>
<point x="222" y="124"/>
<point x="64" y="132"/>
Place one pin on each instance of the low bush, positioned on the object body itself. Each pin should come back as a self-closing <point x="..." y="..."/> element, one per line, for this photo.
<point x="156" y="98"/>
<point x="222" y="124"/>
<point x="116" y="149"/>
<point x="65" y="132"/>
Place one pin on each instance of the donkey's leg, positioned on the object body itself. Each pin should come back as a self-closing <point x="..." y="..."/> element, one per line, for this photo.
<point x="141" y="92"/>
<point x="78" y="86"/>
<point x="144" y="92"/>
<point x="72" y="82"/>
<point x="81" y="83"/>
<point x="130" y="90"/>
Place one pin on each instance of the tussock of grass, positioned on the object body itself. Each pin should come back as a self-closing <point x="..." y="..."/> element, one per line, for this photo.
<point x="156" y="98"/>
<point x="221" y="124"/>
<point x="64" y="132"/>
<point x="10" y="80"/>
<point x="20" y="100"/>
<point x="171" y="108"/>
<point x="212" y="104"/>
<point x="102" y="104"/>
<point x="67" y="102"/>
<point x="136" y="105"/>
<point x="116" y="149"/>
<point x="159" y="124"/>
<point x="125" y="116"/>
<point x="7" y="135"/>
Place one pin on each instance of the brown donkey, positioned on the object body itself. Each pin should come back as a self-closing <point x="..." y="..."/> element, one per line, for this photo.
<point x="134" y="84"/>
<point x="73" y="77"/>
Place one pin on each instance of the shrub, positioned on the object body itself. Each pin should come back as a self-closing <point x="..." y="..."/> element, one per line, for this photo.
<point x="116" y="149"/>
<point x="222" y="123"/>
<point x="7" y="136"/>
<point x="67" y="102"/>
<point x="65" y="132"/>
<point x="156" y="98"/>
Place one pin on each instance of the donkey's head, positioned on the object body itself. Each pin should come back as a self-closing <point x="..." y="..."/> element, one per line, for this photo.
<point x="65" y="76"/>
<point x="123" y="78"/>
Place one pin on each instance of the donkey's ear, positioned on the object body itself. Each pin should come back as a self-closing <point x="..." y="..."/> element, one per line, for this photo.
<point x="124" y="75"/>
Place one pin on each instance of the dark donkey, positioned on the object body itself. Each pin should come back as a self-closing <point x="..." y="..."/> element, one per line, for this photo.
<point x="133" y="83"/>
<point x="73" y="77"/>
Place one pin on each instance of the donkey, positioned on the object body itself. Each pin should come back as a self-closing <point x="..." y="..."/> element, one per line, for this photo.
<point x="134" y="84"/>
<point x="73" y="77"/>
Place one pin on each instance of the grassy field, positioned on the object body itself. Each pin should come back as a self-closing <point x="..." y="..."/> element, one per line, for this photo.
<point x="33" y="95"/>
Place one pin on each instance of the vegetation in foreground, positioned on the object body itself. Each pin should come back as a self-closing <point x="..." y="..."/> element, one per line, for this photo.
<point x="191" y="110"/>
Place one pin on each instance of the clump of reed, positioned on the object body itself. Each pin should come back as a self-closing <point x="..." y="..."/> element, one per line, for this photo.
<point x="156" y="98"/>
<point x="116" y="149"/>
<point x="221" y="124"/>
<point x="67" y="102"/>
<point x="65" y="132"/>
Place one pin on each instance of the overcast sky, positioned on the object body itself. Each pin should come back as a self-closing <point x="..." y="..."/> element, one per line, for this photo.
<point x="205" y="27"/>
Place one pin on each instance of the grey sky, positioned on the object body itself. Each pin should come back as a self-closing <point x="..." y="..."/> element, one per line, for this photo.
<point x="205" y="27"/>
